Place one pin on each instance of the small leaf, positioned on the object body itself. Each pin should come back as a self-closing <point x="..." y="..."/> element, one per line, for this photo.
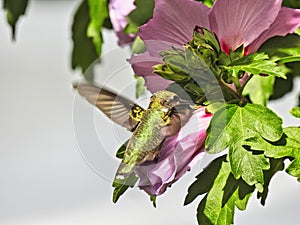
<point x="98" y="12"/>
<point x="153" y="200"/>
<point x="238" y="53"/>
<point x="256" y="64"/>
<point x="120" y="152"/>
<point x="140" y="87"/>
<point x="295" y="112"/>
<point x="138" y="46"/>
<point x="209" y="3"/>
<point x="120" y="186"/>
<point x="139" y="16"/>
<point x="260" y="89"/>
<point x="14" y="9"/>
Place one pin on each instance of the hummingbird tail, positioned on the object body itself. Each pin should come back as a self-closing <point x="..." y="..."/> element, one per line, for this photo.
<point x="124" y="171"/>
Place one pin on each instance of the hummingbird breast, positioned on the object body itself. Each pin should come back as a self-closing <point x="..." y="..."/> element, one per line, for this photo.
<point x="147" y="138"/>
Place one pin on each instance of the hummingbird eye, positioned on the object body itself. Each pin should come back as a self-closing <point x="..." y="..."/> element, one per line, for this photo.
<point x="175" y="98"/>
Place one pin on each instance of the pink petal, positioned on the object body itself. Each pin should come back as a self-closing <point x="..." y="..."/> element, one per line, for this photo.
<point x="156" y="83"/>
<point x="178" y="154"/>
<point x="287" y="21"/>
<point x="237" y="22"/>
<point x="142" y="65"/>
<point x="118" y="10"/>
<point x="174" y="22"/>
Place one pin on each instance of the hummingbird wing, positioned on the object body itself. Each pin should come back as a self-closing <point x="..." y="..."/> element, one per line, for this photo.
<point x="119" y="109"/>
<point x="178" y="118"/>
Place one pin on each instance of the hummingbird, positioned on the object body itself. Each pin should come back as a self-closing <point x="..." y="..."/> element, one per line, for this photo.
<point x="164" y="117"/>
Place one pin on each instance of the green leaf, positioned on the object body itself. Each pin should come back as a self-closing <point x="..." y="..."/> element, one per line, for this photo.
<point x="291" y="4"/>
<point x="287" y="146"/>
<point x="153" y="200"/>
<point x="138" y="46"/>
<point x="233" y="123"/>
<point x="283" y="86"/>
<point x="120" y="186"/>
<point x="218" y="206"/>
<point x="259" y="89"/>
<point x="256" y="64"/>
<point x="139" y="16"/>
<point x="84" y="52"/>
<point x="247" y="165"/>
<point x="295" y="112"/>
<point x="140" y="87"/>
<point x="98" y="12"/>
<point x="14" y="9"/>
<point x="244" y="191"/>
<point x="209" y="3"/>
<point x="120" y="152"/>
<point x="238" y="53"/>
<point x="282" y="47"/>
<point x="284" y="50"/>
<point x="205" y="180"/>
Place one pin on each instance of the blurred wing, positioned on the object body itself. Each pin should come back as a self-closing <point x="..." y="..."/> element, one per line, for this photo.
<point x="119" y="109"/>
<point x="179" y="117"/>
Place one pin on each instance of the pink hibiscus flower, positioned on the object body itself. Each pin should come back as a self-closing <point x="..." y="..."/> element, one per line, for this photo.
<point x="235" y="22"/>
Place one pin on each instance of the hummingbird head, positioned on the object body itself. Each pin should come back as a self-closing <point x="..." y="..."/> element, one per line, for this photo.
<point x="166" y="100"/>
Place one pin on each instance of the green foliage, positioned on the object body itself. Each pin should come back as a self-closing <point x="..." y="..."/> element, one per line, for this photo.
<point x="14" y="9"/>
<point x="284" y="50"/>
<point x="223" y="193"/>
<point x="295" y="112"/>
<point x="138" y="46"/>
<point x="120" y="186"/>
<point x="233" y="124"/>
<point x="282" y="86"/>
<point x="256" y="64"/>
<point x="84" y="52"/>
<point x="140" y="87"/>
<point x="153" y="200"/>
<point x="287" y="147"/>
<point x="88" y="21"/>
<point x="120" y="152"/>
<point x="139" y="16"/>
<point x="195" y="69"/>
<point x="205" y="180"/>
<point x="291" y="3"/>
<point x="260" y="89"/>
<point x="98" y="12"/>
<point x="209" y="3"/>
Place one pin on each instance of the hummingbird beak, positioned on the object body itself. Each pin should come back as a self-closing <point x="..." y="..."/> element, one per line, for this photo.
<point x="186" y="102"/>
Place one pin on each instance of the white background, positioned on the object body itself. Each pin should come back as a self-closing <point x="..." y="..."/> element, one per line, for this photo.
<point x="44" y="179"/>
